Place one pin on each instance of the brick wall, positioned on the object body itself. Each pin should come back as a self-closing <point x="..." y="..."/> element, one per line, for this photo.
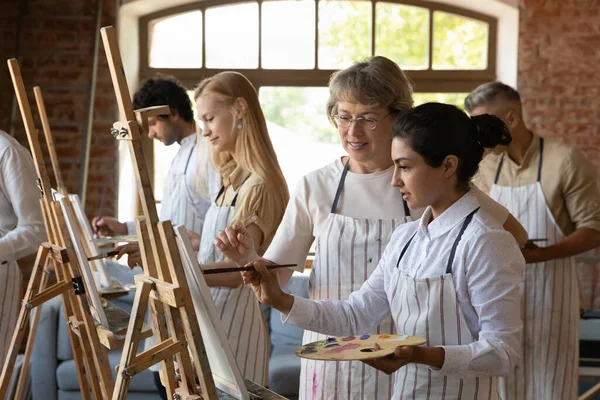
<point x="559" y="73"/>
<point x="56" y="44"/>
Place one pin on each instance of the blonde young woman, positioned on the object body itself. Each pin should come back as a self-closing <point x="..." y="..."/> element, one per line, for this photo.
<point x="254" y="193"/>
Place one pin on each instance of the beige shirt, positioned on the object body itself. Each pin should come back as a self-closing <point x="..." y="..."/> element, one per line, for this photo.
<point x="569" y="182"/>
<point x="254" y="200"/>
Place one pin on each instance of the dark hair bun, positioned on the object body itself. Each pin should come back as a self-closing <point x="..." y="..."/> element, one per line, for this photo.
<point x="491" y="130"/>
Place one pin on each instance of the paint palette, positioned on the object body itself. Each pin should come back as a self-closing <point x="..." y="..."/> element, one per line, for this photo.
<point x="346" y="348"/>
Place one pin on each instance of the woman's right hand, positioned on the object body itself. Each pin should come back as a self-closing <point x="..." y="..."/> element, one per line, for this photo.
<point x="108" y="226"/>
<point x="265" y="284"/>
<point x="236" y="244"/>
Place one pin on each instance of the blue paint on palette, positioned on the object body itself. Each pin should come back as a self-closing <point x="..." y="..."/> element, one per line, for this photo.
<point x="365" y="337"/>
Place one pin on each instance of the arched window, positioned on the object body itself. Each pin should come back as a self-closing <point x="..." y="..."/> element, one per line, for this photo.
<point x="289" y="49"/>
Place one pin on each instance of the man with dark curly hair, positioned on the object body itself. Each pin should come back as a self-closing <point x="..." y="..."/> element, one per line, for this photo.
<point x="183" y="202"/>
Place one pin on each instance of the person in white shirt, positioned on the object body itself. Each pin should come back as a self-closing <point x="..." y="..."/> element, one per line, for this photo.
<point x="351" y="210"/>
<point x="452" y="278"/>
<point x="21" y="228"/>
<point x="182" y="203"/>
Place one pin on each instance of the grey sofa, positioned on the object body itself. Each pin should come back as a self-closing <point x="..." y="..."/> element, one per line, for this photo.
<point x="53" y="373"/>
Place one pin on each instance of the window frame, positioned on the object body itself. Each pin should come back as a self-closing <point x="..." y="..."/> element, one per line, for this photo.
<point x="427" y="81"/>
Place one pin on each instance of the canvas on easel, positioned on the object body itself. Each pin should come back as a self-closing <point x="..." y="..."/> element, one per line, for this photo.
<point x="226" y="373"/>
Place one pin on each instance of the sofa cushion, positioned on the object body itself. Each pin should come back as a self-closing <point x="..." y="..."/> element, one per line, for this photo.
<point x="282" y="334"/>
<point x="284" y="370"/>
<point x="66" y="376"/>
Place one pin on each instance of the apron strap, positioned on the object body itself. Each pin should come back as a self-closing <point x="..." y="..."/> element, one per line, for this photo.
<point x="455" y="245"/>
<point x="340" y="187"/>
<point x="499" y="169"/>
<point x="222" y="190"/>
<point x="404" y="249"/>
<point x="539" y="176"/>
<point x="406" y="209"/>
<point x="238" y="192"/>
<point x="188" y="160"/>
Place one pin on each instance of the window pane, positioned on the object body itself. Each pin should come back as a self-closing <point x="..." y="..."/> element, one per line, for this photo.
<point x="459" y="42"/>
<point x="456" y="99"/>
<point x="402" y="34"/>
<point x="298" y="127"/>
<point x="169" y="41"/>
<point x="288" y="34"/>
<point x="232" y="36"/>
<point x="344" y="33"/>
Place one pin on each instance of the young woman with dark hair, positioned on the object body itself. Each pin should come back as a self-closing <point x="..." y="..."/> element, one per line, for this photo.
<point x="452" y="277"/>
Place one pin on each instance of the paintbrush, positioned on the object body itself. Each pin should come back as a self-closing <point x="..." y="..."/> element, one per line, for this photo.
<point x="241" y="269"/>
<point x="105" y="255"/>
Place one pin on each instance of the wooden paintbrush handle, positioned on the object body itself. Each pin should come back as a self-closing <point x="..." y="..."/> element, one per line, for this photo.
<point x="241" y="269"/>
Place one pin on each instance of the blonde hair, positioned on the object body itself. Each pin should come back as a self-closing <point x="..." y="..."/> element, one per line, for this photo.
<point x="254" y="151"/>
<point x="377" y="81"/>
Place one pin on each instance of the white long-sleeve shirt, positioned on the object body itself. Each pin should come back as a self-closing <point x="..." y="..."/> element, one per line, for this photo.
<point x="487" y="270"/>
<point x="21" y="222"/>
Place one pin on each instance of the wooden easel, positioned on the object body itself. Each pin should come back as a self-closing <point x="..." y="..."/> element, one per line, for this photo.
<point x="86" y="338"/>
<point x="90" y="358"/>
<point x="74" y="200"/>
<point x="163" y="286"/>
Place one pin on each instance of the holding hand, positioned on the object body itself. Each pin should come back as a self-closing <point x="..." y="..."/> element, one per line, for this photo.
<point x="134" y="256"/>
<point x="236" y="244"/>
<point x="265" y="285"/>
<point x="389" y="364"/>
<point x="108" y="226"/>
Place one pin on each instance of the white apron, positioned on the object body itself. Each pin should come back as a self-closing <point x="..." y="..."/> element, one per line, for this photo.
<point x="241" y="315"/>
<point x="181" y="204"/>
<point x="429" y="308"/>
<point x="348" y="251"/>
<point x="550" y="296"/>
<point x="10" y="301"/>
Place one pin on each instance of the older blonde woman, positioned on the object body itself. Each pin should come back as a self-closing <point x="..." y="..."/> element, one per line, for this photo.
<point x="351" y="210"/>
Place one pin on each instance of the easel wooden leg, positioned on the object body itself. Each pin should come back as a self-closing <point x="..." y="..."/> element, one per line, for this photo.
<point x="19" y="332"/>
<point x="140" y="304"/>
<point x="590" y="393"/>
<point x="30" y="339"/>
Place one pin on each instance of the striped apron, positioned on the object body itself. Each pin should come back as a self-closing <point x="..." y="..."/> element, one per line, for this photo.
<point x="348" y="251"/>
<point x="241" y="315"/>
<point x="10" y="300"/>
<point x="550" y="302"/>
<point x="429" y="308"/>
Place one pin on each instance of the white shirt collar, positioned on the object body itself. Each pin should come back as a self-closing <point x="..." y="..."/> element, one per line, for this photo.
<point x="189" y="140"/>
<point x="455" y="214"/>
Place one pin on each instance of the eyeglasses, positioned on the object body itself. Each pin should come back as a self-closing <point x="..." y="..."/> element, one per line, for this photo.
<point x="344" y="121"/>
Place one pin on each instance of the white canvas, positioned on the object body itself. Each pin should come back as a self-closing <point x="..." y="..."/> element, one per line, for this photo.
<point x="86" y="272"/>
<point x="226" y="373"/>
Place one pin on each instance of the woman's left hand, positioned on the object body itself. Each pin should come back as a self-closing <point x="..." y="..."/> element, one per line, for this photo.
<point x="401" y="356"/>
<point x="194" y="239"/>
